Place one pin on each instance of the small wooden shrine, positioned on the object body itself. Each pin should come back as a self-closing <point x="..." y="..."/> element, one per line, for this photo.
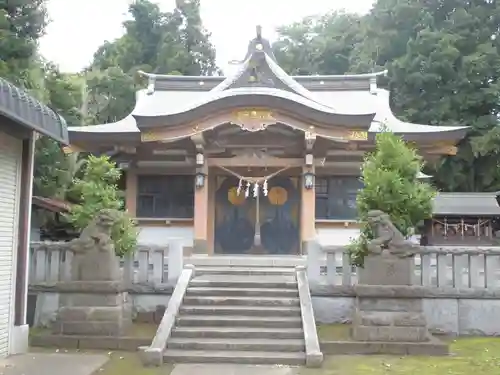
<point x="254" y="162"/>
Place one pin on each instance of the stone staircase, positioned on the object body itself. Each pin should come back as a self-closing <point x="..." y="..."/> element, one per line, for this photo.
<point x="236" y="314"/>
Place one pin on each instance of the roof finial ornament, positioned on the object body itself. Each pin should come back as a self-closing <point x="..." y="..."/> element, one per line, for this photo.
<point x="258" y="29"/>
<point x="258" y="44"/>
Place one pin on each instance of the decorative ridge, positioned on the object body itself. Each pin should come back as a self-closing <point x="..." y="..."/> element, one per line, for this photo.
<point x="173" y="77"/>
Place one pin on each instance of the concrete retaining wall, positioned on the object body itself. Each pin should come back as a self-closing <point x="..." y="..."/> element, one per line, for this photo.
<point x="450" y="312"/>
<point x="144" y="305"/>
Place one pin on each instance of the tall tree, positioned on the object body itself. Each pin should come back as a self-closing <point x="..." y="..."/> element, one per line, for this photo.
<point x="319" y="45"/>
<point x="391" y="185"/>
<point x="443" y="58"/>
<point x="163" y="42"/>
<point x="199" y="53"/>
<point x="444" y="65"/>
<point x="54" y="171"/>
<point x="22" y="23"/>
<point x="110" y="95"/>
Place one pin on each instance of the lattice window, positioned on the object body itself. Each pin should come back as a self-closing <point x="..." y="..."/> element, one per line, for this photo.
<point x="165" y="196"/>
<point x="336" y="197"/>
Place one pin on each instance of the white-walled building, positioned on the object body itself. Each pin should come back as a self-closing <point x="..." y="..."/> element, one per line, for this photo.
<point x="22" y="118"/>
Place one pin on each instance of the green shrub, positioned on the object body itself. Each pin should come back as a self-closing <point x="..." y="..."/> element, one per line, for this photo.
<point x="389" y="176"/>
<point x="98" y="190"/>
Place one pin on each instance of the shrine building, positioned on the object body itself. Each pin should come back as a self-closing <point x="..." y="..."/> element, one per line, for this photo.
<point x="258" y="162"/>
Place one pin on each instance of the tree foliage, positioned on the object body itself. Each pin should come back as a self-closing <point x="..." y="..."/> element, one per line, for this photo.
<point x="389" y="177"/>
<point x="110" y="95"/>
<point x="154" y="41"/>
<point x="97" y="190"/>
<point x="173" y="42"/>
<point x="161" y="42"/>
<point x="443" y="58"/>
<point x="22" y="23"/>
<point x="54" y="171"/>
<point x="319" y="45"/>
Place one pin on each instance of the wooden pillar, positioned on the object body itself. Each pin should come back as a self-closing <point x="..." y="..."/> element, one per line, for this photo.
<point x="212" y="187"/>
<point x="131" y="192"/>
<point x="307" y="212"/>
<point x="200" y="245"/>
<point x="20" y="331"/>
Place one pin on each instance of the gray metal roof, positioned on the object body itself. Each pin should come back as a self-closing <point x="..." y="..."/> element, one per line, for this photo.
<point x="259" y="81"/>
<point x="311" y="83"/>
<point x="460" y="204"/>
<point x="26" y="111"/>
<point x="173" y="103"/>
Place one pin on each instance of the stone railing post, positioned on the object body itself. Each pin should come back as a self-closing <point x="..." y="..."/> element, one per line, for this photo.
<point x="314" y="256"/>
<point x="175" y="260"/>
<point x="128" y="269"/>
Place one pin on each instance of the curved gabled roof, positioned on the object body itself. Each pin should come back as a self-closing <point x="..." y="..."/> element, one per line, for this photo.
<point x="25" y="110"/>
<point x="260" y="81"/>
<point x="350" y="100"/>
<point x="153" y="113"/>
<point x="409" y="131"/>
<point x="256" y="58"/>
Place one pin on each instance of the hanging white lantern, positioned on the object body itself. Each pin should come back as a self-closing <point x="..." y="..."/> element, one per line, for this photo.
<point x="264" y="188"/>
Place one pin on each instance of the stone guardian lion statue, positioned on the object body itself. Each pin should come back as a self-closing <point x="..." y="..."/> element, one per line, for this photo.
<point x="388" y="239"/>
<point x="94" y="257"/>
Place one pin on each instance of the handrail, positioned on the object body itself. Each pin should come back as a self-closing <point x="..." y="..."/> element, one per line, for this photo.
<point x="153" y="355"/>
<point x="314" y="357"/>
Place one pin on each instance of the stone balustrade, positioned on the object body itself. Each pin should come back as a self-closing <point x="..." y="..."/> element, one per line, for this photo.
<point x="50" y="262"/>
<point x="434" y="266"/>
<point x="461" y="287"/>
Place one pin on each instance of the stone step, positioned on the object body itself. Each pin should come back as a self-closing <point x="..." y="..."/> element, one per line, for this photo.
<point x="241" y="301"/>
<point x="249" y="292"/>
<point x="239" y="321"/>
<point x="241" y="357"/>
<point x="241" y="310"/>
<point x="250" y="271"/>
<point x="238" y="332"/>
<point x="242" y="344"/>
<point x="245" y="281"/>
<point x="245" y="261"/>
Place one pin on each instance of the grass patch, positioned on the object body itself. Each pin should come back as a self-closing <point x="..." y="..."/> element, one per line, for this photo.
<point x="470" y="355"/>
<point x="143" y="330"/>
<point x="334" y="332"/>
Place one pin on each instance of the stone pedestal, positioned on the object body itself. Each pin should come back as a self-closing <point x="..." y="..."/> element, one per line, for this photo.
<point x="93" y="309"/>
<point x="389" y="319"/>
<point x="386" y="270"/>
<point x="382" y="312"/>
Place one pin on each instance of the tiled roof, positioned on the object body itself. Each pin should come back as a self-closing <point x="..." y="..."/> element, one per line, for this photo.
<point x="473" y="204"/>
<point x="25" y="110"/>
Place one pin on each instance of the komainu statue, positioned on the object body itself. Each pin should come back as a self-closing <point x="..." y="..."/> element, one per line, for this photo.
<point x="94" y="252"/>
<point x="388" y="240"/>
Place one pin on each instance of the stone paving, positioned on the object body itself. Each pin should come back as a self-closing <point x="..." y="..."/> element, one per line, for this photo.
<point x="52" y="364"/>
<point x="227" y="369"/>
<point x="88" y="364"/>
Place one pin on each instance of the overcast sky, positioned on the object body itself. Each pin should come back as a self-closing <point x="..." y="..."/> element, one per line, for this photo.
<point x="78" y="27"/>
